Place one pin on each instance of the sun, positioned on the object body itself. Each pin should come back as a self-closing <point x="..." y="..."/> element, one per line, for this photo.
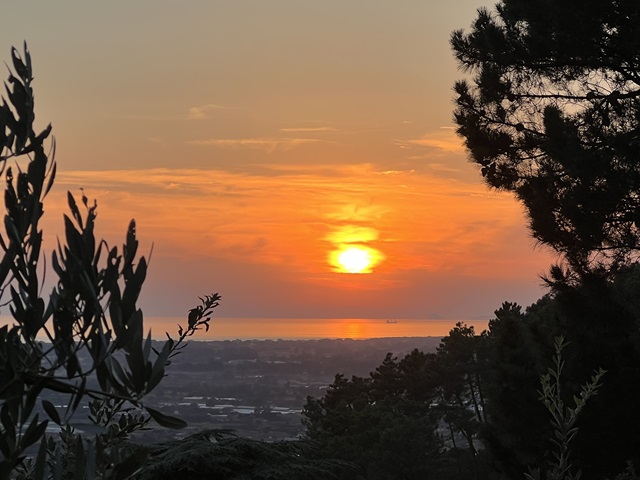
<point x="354" y="260"/>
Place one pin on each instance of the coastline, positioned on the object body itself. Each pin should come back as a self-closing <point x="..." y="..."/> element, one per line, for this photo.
<point x="312" y="328"/>
<point x="226" y="328"/>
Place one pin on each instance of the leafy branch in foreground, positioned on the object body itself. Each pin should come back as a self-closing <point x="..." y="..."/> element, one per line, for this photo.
<point x="95" y="344"/>
<point x="563" y="418"/>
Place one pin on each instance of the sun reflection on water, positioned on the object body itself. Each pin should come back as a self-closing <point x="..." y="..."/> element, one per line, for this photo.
<point x="302" y="329"/>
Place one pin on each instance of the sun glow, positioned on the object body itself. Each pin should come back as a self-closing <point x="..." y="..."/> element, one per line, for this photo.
<point x="352" y="252"/>
<point x="355" y="259"/>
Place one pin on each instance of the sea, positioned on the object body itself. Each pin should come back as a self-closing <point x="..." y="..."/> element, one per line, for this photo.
<point x="311" y="328"/>
<point x="302" y="328"/>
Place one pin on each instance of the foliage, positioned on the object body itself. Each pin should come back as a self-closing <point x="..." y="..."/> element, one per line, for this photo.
<point x="603" y="331"/>
<point x="629" y="473"/>
<point x="563" y="418"/>
<point x="387" y="421"/>
<point x="484" y="389"/>
<point x="220" y="454"/>
<point x="95" y="344"/>
<point x="516" y="423"/>
<point x="383" y="423"/>
<point x="597" y="318"/>
<point x="552" y="114"/>
<point x="462" y="368"/>
<point x="406" y="419"/>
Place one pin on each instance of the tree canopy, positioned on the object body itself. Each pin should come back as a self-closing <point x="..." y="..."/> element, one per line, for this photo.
<point x="416" y="417"/>
<point x="552" y="114"/>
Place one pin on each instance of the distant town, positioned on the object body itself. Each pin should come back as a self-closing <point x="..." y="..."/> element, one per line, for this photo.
<point x="257" y="388"/>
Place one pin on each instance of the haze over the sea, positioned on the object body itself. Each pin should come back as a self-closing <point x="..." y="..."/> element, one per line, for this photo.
<point x="311" y="328"/>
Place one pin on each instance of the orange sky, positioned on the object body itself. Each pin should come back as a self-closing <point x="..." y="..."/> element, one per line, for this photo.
<point x="251" y="139"/>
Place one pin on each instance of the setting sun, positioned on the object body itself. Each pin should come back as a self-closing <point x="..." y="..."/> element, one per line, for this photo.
<point x="324" y="168"/>
<point x="355" y="259"/>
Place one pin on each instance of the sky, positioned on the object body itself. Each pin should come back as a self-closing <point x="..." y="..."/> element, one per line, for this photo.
<point x="255" y="141"/>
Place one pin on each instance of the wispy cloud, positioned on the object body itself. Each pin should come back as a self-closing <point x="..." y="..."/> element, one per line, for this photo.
<point x="308" y="129"/>
<point x="395" y="172"/>
<point x="267" y="144"/>
<point x="199" y="112"/>
<point x="448" y="168"/>
<point x="202" y="112"/>
<point x="443" y="140"/>
<point x="294" y="220"/>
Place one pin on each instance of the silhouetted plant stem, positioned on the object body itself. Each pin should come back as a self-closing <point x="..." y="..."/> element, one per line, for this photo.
<point x="563" y="418"/>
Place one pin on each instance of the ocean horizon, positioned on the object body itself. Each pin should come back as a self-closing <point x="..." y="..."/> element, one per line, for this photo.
<point x="227" y="328"/>
<point x="310" y="328"/>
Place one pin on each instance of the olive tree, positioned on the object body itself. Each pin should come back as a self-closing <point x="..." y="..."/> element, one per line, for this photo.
<point x="85" y="339"/>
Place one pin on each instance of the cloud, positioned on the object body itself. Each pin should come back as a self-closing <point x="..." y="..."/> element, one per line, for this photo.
<point x="437" y="167"/>
<point x="308" y="129"/>
<point x="443" y="140"/>
<point x="325" y="170"/>
<point x="202" y="112"/>
<point x="267" y="144"/>
<point x="352" y="234"/>
<point x="291" y="221"/>
<point x="395" y="172"/>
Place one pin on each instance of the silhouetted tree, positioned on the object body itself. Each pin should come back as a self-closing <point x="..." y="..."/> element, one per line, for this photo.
<point x="516" y="430"/>
<point x="383" y="424"/>
<point x="462" y="358"/>
<point x="602" y="332"/>
<point x="94" y="345"/>
<point x="553" y="115"/>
